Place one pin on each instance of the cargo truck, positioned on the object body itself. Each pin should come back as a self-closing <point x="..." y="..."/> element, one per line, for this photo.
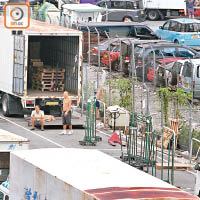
<point x="36" y="65"/>
<point x="8" y="142"/>
<point x="159" y="9"/>
<point x="77" y="174"/>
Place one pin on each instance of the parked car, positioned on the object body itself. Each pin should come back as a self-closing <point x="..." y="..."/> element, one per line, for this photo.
<point x="162" y="50"/>
<point x="121" y="10"/>
<point x="116" y="31"/>
<point x="120" y="29"/>
<point x="181" y="31"/>
<point x="189" y="79"/>
<point x="167" y="67"/>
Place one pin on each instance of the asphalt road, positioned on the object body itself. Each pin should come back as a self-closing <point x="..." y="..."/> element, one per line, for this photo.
<point x="50" y="138"/>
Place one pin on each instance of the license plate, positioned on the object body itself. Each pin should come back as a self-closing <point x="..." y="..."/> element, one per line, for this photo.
<point x="51" y="103"/>
<point x="186" y="85"/>
<point x="142" y="12"/>
<point x="195" y="36"/>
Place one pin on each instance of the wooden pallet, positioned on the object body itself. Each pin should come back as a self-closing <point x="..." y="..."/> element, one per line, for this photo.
<point x="177" y="166"/>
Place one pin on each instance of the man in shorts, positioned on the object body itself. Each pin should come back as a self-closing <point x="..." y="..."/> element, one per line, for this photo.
<point x="37" y="118"/>
<point x="190" y="8"/>
<point x="67" y="114"/>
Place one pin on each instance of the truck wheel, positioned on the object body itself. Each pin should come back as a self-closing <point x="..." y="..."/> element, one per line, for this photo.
<point x="153" y="15"/>
<point x="5" y="105"/>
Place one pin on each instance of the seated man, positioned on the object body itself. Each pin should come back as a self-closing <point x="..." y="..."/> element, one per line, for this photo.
<point x="37" y="118"/>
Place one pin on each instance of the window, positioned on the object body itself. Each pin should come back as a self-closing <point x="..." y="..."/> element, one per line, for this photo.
<point x="132" y="5"/>
<point x="1" y="196"/>
<point x="177" y="67"/>
<point x="118" y="4"/>
<point x="119" y="31"/>
<point x="166" y="26"/>
<point x="185" y="53"/>
<point x="198" y="75"/>
<point x="174" y="26"/>
<point x="169" y="51"/>
<point x="142" y="31"/>
<point x="102" y="4"/>
<point x="187" y="69"/>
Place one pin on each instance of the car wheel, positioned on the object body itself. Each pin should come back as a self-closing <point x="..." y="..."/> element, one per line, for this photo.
<point x="176" y="42"/>
<point x="153" y="15"/>
<point x="125" y="19"/>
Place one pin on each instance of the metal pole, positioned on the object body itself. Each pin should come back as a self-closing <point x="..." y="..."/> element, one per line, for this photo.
<point x="164" y="68"/>
<point x="190" y="126"/>
<point x="86" y="71"/>
<point x="154" y="68"/>
<point x="192" y="79"/>
<point x="133" y="73"/>
<point x="109" y="67"/>
<point x="99" y="57"/>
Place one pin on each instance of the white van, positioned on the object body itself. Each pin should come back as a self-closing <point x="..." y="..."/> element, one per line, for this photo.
<point x="189" y="79"/>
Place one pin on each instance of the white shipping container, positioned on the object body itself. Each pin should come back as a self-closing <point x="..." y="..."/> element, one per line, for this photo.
<point x="77" y="174"/>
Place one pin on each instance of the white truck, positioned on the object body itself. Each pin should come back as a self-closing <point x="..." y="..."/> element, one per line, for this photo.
<point x="77" y="174"/>
<point x="158" y="9"/>
<point x="55" y="52"/>
<point x="8" y="143"/>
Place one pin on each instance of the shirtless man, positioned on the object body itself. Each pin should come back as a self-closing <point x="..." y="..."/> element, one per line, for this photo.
<point x="66" y="118"/>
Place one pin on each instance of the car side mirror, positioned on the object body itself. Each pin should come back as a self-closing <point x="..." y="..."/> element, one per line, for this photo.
<point x="160" y="27"/>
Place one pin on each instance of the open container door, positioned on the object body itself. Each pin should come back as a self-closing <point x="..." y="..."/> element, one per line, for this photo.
<point x="18" y="68"/>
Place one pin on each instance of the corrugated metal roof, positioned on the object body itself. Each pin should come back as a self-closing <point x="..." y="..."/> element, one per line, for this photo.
<point x="45" y="28"/>
<point x="6" y="136"/>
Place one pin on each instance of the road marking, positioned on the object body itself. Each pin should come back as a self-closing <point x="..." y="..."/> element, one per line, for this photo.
<point x="44" y="138"/>
<point x="191" y="172"/>
<point x="103" y="133"/>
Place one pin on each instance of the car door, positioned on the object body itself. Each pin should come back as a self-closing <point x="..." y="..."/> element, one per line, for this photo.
<point x="144" y="33"/>
<point x="117" y="10"/>
<point x="186" y="77"/>
<point x="197" y="82"/>
<point x="163" y="32"/>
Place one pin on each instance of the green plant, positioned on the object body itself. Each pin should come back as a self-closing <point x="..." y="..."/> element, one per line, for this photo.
<point x="180" y="98"/>
<point x="122" y="88"/>
<point x="164" y="95"/>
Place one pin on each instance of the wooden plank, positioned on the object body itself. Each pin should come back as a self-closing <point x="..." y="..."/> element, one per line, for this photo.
<point x="177" y="166"/>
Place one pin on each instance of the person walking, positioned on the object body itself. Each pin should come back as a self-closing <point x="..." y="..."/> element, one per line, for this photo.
<point x="37" y="118"/>
<point x="66" y="114"/>
<point x="190" y="8"/>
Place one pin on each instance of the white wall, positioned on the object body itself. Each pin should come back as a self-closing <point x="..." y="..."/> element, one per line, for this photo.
<point x="6" y="60"/>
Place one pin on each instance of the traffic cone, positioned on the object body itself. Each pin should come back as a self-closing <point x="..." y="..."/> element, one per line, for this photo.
<point x="114" y="138"/>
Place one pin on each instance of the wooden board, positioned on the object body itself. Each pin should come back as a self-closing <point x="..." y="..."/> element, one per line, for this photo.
<point x="177" y="166"/>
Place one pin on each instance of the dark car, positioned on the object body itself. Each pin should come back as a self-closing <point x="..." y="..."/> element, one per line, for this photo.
<point x="123" y="10"/>
<point x="120" y="29"/>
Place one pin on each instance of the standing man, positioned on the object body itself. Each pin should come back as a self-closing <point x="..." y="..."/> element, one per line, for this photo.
<point x="67" y="114"/>
<point x="190" y="8"/>
<point x="37" y="118"/>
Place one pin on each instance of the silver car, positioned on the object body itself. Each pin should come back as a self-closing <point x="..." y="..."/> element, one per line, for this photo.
<point x="123" y="10"/>
<point x="189" y="79"/>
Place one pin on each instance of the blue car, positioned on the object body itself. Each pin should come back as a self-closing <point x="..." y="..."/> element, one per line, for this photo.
<point x="181" y="31"/>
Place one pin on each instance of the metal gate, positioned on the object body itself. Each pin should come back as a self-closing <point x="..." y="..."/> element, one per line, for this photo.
<point x="18" y="68"/>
